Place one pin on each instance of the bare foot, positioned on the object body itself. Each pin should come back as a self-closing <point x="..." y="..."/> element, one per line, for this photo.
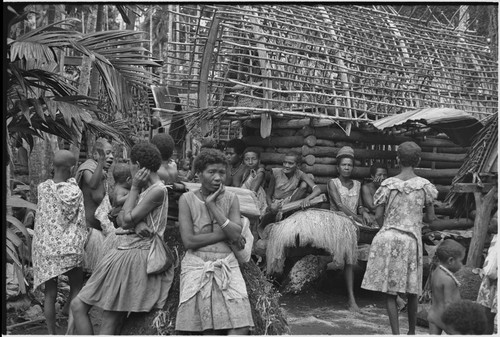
<point x="353" y="306"/>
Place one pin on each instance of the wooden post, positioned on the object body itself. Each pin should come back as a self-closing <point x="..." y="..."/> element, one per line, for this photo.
<point x="484" y="207"/>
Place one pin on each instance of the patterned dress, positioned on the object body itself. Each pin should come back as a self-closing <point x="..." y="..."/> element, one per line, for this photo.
<point x="60" y="230"/>
<point x="120" y="281"/>
<point x="395" y="259"/>
<point x="213" y="294"/>
<point x="487" y="295"/>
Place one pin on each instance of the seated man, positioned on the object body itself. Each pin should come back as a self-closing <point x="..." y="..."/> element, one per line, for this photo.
<point x="287" y="184"/>
<point x="236" y="168"/>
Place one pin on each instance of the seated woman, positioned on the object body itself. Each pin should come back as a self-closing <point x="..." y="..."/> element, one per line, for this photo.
<point x="120" y="283"/>
<point x="378" y="173"/>
<point x="333" y="230"/>
<point x="213" y="294"/>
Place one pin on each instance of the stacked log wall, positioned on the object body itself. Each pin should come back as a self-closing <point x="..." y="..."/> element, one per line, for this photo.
<point x="318" y="147"/>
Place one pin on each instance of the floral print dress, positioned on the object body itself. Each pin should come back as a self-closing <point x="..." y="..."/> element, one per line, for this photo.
<point x="60" y="230"/>
<point x="395" y="259"/>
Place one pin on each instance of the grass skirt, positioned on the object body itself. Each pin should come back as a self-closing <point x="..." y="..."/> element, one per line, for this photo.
<point x="319" y="228"/>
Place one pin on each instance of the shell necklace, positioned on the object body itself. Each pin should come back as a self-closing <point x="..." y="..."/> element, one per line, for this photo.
<point x="233" y="172"/>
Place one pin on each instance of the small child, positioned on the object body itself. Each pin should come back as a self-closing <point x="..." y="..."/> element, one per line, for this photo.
<point x="253" y="178"/>
<point x="444" y="285"/>
<point x="123" y="179"/>
<point x="59" y="237"/>
<point x="184" y="169"/>
<point x="464" y="317"/>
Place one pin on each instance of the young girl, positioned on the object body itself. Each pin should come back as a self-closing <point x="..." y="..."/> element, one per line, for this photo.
<point x="60" y="235"/>
<point x="444" y="285"/>
<point x="253" y="178"/>
<point x="213" y="295"/>
<point x="395" y="260"/>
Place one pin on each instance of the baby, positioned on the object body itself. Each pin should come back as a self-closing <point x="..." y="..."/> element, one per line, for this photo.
<point x="444" y="285"/>
<point x="184" y="171"/>
<point x="122" y="177"/>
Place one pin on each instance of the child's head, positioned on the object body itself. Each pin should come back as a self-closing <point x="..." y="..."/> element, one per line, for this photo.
<point x="165" y="144"/>
<point x="450" y="254"/>
<point x="121" y="174"/>
<point x="104" y="145"/>
<point x="290" y="162"/>
<point x="251" y="158"/>
<point x="64" y="161"/>
<point x="185" y="164"/>
<point x="464" y="317"/>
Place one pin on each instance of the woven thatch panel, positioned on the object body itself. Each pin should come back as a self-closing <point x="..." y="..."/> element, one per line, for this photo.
<point x="348" y="62"/>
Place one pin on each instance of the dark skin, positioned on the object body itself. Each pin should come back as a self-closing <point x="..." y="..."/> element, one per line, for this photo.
<point x="133" y="218"/>
<point x="236" y="169"/>
<point x="93" y="186"/>
<point x="289" y="168"/>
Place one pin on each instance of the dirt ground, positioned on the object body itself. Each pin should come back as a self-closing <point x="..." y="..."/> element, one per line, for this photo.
<point x="321" y="310"/>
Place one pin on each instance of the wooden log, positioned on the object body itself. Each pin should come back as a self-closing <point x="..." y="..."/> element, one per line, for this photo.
<point x="285" y="132"/>
<point x="295" y="205"/>
<point x="272" y="158"/>
<point x="274" y="141"/>
<point x="373" y="138"/>
<point x="311" y="160"/>
<point x="285" y="149"/>
<point x="471" y="187"/>
<point x="447" y="224"/>
<point x="247" y="199"/>
<point x="279" y="123"/>
<point x="310" y="141"/>
<point x="447" y="211"/>
<point x="439" y="164"/>
<point x="484" y="206"/>
<point x="322" y="181"/>
<point x="448" y="149"/>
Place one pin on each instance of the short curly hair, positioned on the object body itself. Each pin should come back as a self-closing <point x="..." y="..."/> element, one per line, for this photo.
<point x="146" y="155"/>
<point x="237" y="144"/>
<point x="466" y="317"/>
<point x="449" y="248"/>
<point x="208" y="157"/>
<point x="409" y="154"/>
<point x="165" y="143"/>
<point x="377" y="165"/>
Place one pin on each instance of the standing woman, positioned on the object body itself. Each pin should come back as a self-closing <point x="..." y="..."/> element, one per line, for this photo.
<point x="120" y="283"/>
<point x="395" y="260"/>
<point x="213" y="295"/>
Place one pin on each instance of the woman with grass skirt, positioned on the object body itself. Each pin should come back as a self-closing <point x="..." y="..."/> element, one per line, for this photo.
<point x="333" y="230"/>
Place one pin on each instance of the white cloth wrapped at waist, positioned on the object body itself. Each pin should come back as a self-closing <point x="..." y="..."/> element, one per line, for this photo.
<point x="198" y="275"/>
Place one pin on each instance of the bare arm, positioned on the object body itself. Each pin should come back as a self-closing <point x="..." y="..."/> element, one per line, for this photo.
<point x="270" y="190"/>
<point x="367" y="198"/>
<point x="232" y="229"/>
<point x="189" y="238"/>
<point x="94" y="180"/>
<point x="379" y="214"/>
<point x="258" y="180"/>
<point x="314" y="193"/>
<point x="429" y="215"/>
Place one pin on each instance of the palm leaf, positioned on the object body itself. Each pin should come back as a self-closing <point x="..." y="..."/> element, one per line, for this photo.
<point x="19" y="202"/>
<point x="21" y="227"/>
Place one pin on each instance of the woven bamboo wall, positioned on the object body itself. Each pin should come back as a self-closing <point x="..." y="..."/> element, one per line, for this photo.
<point x="349" y="62"/>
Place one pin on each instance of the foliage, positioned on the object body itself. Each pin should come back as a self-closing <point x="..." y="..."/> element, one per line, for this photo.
<point x="39" y="99"/>
<point x="18" y="246"/>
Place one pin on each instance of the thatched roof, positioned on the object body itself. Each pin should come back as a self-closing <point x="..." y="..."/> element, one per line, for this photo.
<point x="343" y="62"/>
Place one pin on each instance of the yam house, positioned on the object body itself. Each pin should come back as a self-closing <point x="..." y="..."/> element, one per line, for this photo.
<point x="316" y="78"/>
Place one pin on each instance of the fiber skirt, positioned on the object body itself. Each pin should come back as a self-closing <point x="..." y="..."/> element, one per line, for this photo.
<point x="393" y="265"/>
<point x="120" y="283"/>
<point x="319" y="228"/>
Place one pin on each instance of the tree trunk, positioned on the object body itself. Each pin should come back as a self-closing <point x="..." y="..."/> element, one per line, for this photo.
<point x="484" y="207"/>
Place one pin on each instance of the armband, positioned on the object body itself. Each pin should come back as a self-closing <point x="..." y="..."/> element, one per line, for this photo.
<point x="224" y="225"/>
